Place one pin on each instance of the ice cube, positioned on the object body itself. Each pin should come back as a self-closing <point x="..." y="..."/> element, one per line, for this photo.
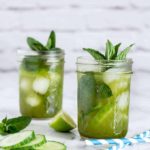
<point x="51" y="99"/>
<point x="115" y="74"/>
<point x="33" y="100"/>
<point x="123" y="101"/>
<point x="120" y="121"/>
<point x="122" y="84"/>
<point x="25" y="84"/>
<point x="41" y="85"/>
<point x="54" y="78"/>
<point x="108" y="77"/>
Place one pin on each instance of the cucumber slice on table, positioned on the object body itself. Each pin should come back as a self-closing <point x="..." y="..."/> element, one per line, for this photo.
<point x="17" y="139"/>
<point x="38" y="141"/>
<point x="52" y="145"/>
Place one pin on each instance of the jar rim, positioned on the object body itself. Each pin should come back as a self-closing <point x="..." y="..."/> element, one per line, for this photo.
<point x="89" y="61"/>
<point x="50" y="53"/>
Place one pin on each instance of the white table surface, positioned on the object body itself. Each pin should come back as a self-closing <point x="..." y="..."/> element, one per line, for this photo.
<point x="139" y="112"/>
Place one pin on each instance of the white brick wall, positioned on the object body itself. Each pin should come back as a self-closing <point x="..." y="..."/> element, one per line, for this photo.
<point x="78" y="23"/>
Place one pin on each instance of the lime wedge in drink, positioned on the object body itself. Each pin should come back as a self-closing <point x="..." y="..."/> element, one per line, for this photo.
<point x="63" y="123"/>
<point x="98" y="120"/>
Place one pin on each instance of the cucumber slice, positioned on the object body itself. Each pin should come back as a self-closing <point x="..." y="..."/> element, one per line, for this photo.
<point x="38" y="141"/>
<point x="52" y="145"/>
<point x="86" y="93"/>
<point x="16" y="140"/>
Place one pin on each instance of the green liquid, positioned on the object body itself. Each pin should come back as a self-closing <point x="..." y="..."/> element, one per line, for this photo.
<point x="40" y="87"/>
<point x="99" y="116"/>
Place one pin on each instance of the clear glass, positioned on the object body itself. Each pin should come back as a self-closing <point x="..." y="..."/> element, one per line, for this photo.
<point x="103" y="97"/>
<point x="41" y="83"/>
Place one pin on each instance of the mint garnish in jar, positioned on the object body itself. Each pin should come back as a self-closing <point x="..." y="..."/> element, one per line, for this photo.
<point x="41" y="78"/>
<point x="104" y="92"/>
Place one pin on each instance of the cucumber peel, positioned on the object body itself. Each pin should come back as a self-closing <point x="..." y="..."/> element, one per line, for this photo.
<point x="52" y="145"/>
<point x="27" y="140"/>
<point x="17" y="139"/>
<point x="38" y="141"/>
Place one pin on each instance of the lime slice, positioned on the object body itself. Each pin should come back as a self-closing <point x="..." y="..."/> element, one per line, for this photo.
<point x="99" y="123"/>
<point x="63" y="123"/>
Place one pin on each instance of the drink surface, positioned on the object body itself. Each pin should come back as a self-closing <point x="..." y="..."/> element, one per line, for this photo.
<point x="40" y="86"/>
<point x="103" y="104"/>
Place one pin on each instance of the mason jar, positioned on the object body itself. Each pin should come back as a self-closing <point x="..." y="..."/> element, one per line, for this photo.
<point x="103" y="97"/>
<point x="41" y="83"/>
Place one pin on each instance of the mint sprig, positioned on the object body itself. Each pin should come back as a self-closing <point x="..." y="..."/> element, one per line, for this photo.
<point x="35" y="45"/>
<point x="51" y="43"/>
<point x="111" y="52"/>
<point x="14" y="125"/>
<point x="122" y="55"/>
<point x="96" y="54"/>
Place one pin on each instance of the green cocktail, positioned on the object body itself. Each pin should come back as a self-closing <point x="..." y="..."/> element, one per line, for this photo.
<point x="41" y="82"/>
<point x="103" y="97"/>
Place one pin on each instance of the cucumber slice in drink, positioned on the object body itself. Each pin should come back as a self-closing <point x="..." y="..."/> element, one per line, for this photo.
<point x="38" y="141"/>
<point x="52" y="145"/>
<point x="86" y="92"/>
<point x="16" y="140"/>
<point x="63" y="123"/>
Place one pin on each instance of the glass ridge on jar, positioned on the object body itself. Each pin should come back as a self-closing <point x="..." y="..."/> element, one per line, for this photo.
<point x="103" y="97"/>
<point x="41" y="83"/>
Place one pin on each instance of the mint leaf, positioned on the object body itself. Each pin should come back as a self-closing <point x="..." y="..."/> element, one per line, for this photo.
<point x="35" y="45"/>
<point x="34" y="63"/>
<point x="14" y="125"/>
<point x="51" y="43"/>
<point x="96" y="54"/>
<point x="104" y="91"/>
<point x="2" y="129"/>
<point x="116" y="50"/>
<point x="4" y="120"/>
<point x="110" y="50"/>
<point x="122" y="55"/>
<point x="17" y="124"/>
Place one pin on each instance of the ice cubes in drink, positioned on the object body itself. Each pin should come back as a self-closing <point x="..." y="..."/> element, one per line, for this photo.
<point x="41" y="85"/>
<point x="33" y="100"/>
<point x="123" y="101"/>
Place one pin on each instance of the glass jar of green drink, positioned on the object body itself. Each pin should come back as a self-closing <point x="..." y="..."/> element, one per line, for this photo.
<point x="104" y="93"/>
<point x="41" y="79"/>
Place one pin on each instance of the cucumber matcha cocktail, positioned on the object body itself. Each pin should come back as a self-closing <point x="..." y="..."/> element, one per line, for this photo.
<point x="41" y="79"/>
<point x="104" y="92"/>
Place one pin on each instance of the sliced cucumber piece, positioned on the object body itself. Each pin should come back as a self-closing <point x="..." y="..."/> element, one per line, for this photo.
<point x="16" y="140"/>
<point x="86" y="93"/>
<point x="52" y="145"/>
<point x="38" y="141"/>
